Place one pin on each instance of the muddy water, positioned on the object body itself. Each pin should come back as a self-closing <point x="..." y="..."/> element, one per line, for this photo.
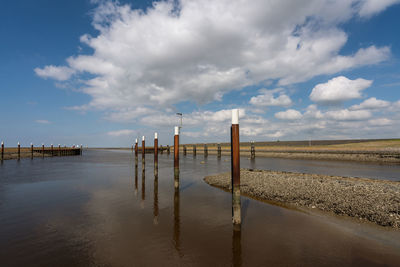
<point x="95" y="211"/>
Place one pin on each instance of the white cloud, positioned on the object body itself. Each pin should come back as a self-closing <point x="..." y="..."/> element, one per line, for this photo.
<point x="43" y="121"/>
<point x="371" y="7"/>
<point x="380" y="122"/>
<point x="313" y="112"/>
<point x="60" y="73"/>
<point x="267" y="99"/>
<point x="339" y="89"/>
<point x="198" y="50"/>
<point x="118" y="133"/>
<point x="348" y="115"/>
<point x="371" y="103"/>
<point x="289" y="114"/>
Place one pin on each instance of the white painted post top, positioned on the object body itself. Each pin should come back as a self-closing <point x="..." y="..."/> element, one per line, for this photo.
<point x="51" y="144"/>
<point x="235" y="116"/>
<point x="143" y="138"/>
<point x="59" y="145"/>
<point x="136" y="141"/>
<point x="18" y="143"/>
<point x="155" y="136"/>
<point x="31" y="144"/>
<point x="2" y="142"/>
<point x="176" y="130"/>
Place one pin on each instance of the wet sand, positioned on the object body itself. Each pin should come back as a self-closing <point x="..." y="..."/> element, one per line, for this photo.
<point x="377" y="201"/>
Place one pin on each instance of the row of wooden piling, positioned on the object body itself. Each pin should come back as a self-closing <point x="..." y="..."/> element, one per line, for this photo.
<point x="60" y="151"/>
<point x="235" y="162"/>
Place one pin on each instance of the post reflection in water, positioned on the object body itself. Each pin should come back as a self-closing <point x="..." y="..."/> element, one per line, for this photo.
<point x="143" y="188"/>
<point x="155" y="204"/>
<point x="237" y="246"/>
<point x="136" y="180"/>
<point x="176" y="221"/>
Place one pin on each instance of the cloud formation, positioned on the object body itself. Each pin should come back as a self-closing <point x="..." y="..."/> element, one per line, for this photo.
<point x="267" y="99"/>
<point x="192" y="50"/>
<point x="42" y="121"/>
<point x="371" y="103"/>
<point x="289" y="114"/>
<point x="339" y="89"/>
<point x="124" y="132"/>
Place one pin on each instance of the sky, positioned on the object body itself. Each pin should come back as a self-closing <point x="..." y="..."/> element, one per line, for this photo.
<point x="102" y="73"/>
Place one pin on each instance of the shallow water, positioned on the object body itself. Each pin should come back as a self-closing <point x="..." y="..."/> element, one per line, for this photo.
<point x="94" y="211"/>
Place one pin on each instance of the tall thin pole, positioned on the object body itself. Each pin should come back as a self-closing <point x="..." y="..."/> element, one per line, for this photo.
<point x="143" y="154"/>
<point x="19" y="151"/>
<point x="155" y="154"/>
<point x="43" y="150"/>
<point x="235" y="161"/>
<point x="31" y="151"/>
<point x="136" y="153"/>
<point x="51" y="147"/>
<point x="2" y="151"/>
<point x="176" y="157"/>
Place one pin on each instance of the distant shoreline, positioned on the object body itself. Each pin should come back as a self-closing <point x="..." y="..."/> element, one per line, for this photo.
<point x="376" y="201"/>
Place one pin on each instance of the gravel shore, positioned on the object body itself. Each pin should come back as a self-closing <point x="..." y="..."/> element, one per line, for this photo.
<point x="377" y="201"/>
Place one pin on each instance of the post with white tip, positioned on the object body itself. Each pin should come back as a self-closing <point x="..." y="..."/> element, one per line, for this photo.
<point x="176" y="157"/>
<point x="19" y="151"/>
<point x="155" y="154"/>
<point x="143" y="154"/>
<point x="136" y="154"/>
<point x="235" y="168"/>
<point x="2" y="151"/>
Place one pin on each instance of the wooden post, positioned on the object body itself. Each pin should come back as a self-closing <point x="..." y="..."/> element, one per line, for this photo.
<point x="42" y="150"/>
<point x="19" y="151"/>
<point x="155" y="154"/>
<point x="2" y="151"/>
<point x="136" y="153"/>
<point x="31" y="151"/>
<point x="205" y="150"/>
<point x="219" y="150"/>
<point x="143" y="155"/>
<point x="176" y="157"/>
<point x="253" y="151"/>
<point x="194" y="150"/>
<point x="235" y="165"/>
<point x="184" y="150"/>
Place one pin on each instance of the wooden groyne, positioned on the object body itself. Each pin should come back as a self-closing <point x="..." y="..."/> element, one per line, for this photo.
<point x="32" y="152"/>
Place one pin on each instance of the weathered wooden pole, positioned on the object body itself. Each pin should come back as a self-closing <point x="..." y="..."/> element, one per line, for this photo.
<point x="252" y="151"/>
<point x="19" y="151"/>
<point x="2" y="151"/>
<point x="176" y="157"/>
<point x="31" y="151"/>
<point x="42" y="150"/>
<point x="205" y="150"/>
<point x="235" y="165"/>
<point x="143" y="154"/>
<point x="194" y="150"/>
<point x="219" y="150"/>
<point x="184" y="150"/>
<point x="136" y="153"/>
<point x="155" y="154"/>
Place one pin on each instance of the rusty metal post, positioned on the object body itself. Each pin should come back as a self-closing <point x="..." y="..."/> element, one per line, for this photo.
<point x="253" y="151"/>
<point x="184" y="150"/>
<point x="2" y="151"/>
<point x="143" y="155"/>
<point x="136" y="153"/>
<point x="194" y="150"/>
<point x="235" y="165"/>
<point x="155" y="154"/>
<point x="42" y="150"/>
<point x="31" y="151"/>
<point x="176" y="157"/>
<point x="205" y="150"/>
<point x="219" y="150"/>
<point x="19" y="151"/>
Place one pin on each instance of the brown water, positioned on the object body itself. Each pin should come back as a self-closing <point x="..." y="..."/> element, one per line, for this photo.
<point x="94" y="211"/>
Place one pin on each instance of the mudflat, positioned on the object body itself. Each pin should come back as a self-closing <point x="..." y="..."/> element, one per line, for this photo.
<point x="377" y="201"/>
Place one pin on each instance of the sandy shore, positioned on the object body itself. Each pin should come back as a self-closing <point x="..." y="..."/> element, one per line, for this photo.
<point x="376" y="201"/>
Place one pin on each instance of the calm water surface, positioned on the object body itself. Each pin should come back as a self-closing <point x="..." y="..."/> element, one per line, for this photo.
<point x="95" y="210"/>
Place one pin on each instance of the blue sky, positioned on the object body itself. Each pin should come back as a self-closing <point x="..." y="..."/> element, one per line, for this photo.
<point x="102" y="73"/>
